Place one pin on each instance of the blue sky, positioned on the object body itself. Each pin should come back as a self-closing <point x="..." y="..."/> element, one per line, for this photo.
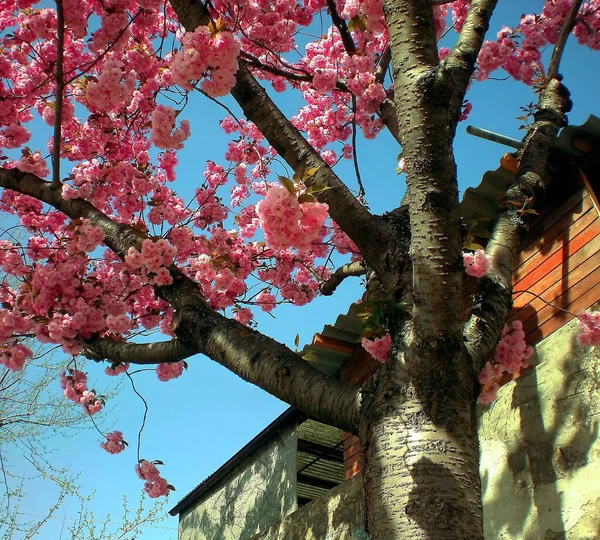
<point x="195" y="423"/>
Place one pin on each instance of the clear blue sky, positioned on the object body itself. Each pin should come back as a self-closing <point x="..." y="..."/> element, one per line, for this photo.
<point x="198" y="421"/>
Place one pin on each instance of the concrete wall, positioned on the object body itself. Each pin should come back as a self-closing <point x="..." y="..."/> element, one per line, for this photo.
<point x="337" y="515"/>
<point x="259" y="492"/>
<point x="540" y="449"/>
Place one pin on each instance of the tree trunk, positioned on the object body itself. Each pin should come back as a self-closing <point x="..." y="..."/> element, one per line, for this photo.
<point x="421" y="456"/>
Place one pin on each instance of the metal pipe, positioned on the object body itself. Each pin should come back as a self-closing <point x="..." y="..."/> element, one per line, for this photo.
<point x="494" y="137"/>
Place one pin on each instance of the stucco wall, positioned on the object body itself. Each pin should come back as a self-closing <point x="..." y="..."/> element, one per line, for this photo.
<point x="337" y="515"/>
<point x="540" y="449"/>
<point x="259" y="492"/>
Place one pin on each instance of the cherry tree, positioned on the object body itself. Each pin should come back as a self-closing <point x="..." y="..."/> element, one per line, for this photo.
<point x="113" y="251"/>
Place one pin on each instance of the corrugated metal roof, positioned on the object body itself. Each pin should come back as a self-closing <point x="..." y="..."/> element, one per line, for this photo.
<point x="482" y="201"/>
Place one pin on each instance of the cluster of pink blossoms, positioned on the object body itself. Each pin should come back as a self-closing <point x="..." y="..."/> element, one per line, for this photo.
<point x="111" y="89"/>
<point x="155" y="485"/>
<point x="378" y="348"/>
<point x="518" y="51"/>
<point x="169" y="370"/>
<point x="477" y="263"/>
<point x="114" y="443"/>
<point x="74" y="387"/>
<point x="589" y="328"/>
<point x="153" y="260"/>
<point x="212" y="58"/>
<point x="288" y="223"/>
<point x="164" y="134"/>
<point x="510" y="356"/>
<point x="86" y="237"/>
<point x="117" y="370"/>
<point x="13" y="357"/>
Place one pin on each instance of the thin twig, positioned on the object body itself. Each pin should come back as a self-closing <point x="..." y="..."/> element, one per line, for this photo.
<point x="562" y="39"/>
<point x="139" y="437"/>
<point x="546" y="302"/>
<point x="361" y="188"/>
<point x="60" y="85"/>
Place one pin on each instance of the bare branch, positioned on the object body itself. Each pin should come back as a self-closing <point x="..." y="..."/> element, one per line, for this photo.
<point x="387" y="113"/>
<point x="562" y="39"/>
<point x="328" y="287"/>
<point x="137" y="353"/>
<point x="60" y="85"/>
<point x="460" y="63"/>
<point x="361" y="187"/>
<point x="384" y="64"/>
<point x="493" y="296"/>
<point x="342" y="27"/>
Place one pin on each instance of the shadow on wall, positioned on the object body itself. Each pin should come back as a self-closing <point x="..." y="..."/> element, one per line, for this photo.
<point x="337" y="515"/>
<point x="540" y="449"/>
<point x="261" y="492"/>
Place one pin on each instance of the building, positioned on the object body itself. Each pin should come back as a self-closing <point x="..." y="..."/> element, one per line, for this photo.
<point x="300" y="479"/>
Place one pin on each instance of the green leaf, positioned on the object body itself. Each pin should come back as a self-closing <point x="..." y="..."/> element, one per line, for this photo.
<point x="287" y="184"/>
<point x="318" y="189"/>
<point x="473" y="246"/>
<point x="531" y="211"/>
<point x="297" y="340"/>
<point x="357" y="23"/>
<point x="481" y="233"/>
<point x="306" y="198"/>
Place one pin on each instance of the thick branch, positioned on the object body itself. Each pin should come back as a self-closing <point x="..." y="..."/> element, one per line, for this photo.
<point x="342" y="27"/>
<point x="460" y="63"/>
<point x="60" y="85"/>
<point x="493" y="295"/>
<point x="251" y="355"/>
<point x="367" y="231"/>
<point x="137" y="353"/>
<point x="421" y="97"/>
<point x="562" y="39"/>
<point x="328" y="287"/>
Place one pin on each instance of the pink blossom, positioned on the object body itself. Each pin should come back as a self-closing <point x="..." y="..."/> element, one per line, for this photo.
<point x="378" y="348"/>
<point x="476" y="264"/>
<point x="164" y="134"/>
<point x="169" y="370"/>
<point x="117" y="370"/>
<point x="589" y="328"/>
<point x="114" y="443"/>
<point x="155" y="485"/>
<point x="510" y="356"/>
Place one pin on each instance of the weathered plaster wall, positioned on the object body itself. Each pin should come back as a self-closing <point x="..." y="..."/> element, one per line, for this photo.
<point x="337" y="515"/>
<point x="259" y="492"/>
<point x="540" y="448"/>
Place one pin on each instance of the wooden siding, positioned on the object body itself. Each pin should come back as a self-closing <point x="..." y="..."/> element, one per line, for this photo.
<point x="559" y="264"/>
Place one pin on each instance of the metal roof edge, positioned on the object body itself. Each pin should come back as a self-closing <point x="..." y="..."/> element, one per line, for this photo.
<point x="285" y="419"/>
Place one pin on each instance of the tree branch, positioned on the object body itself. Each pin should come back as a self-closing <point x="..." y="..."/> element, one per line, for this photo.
<point x="493" y="295"/>
<point x="562" y="39"/>
<point x="60" y="85"/>
<point x="328" y="287"/>
<point x="421" y="97"/>
<point x="137" y="353"/>
<point x="256" y="358"/>
<point x="342" y="27"/>
<point x="460" y="63"/>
